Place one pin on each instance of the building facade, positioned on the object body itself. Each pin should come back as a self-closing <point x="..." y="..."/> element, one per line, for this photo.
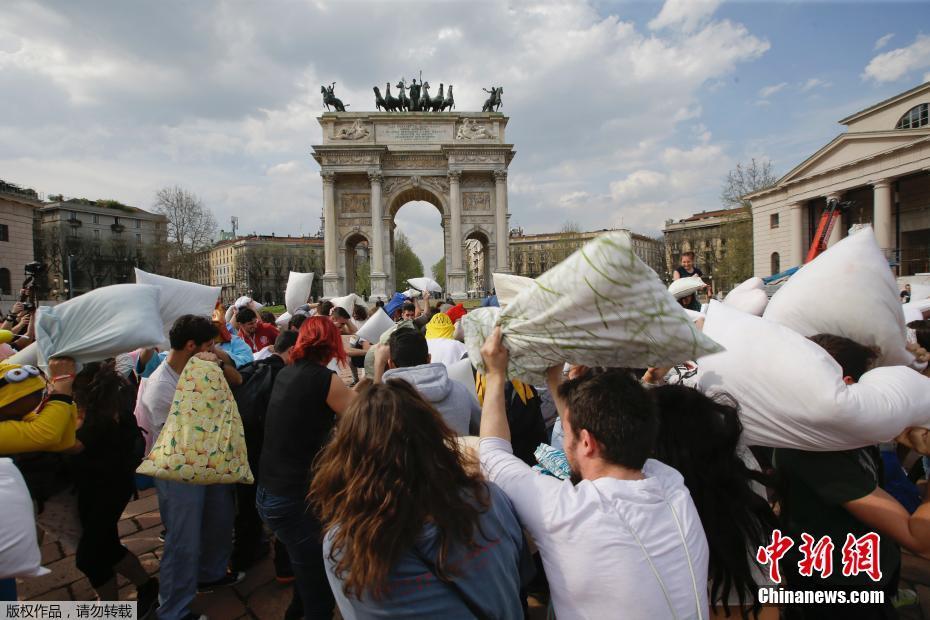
<point x="533" y="255"/>
<point x="99" y="242"/>
<point x="880" y="165"/>
<point x="17" y="216"/>
<point x="721" y="241"/>
<point x="259" y="265"/>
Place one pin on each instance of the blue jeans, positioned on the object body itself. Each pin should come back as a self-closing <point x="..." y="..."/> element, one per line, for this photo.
<point x="199" y="523"/>
<point x="294" y="525"/>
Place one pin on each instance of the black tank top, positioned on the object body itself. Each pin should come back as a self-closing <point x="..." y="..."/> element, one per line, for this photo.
<point x="297" y="426"/>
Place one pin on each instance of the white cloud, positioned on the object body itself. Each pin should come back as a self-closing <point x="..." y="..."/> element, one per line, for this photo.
<point x="636" y="184"/>
<point x="895" y="64"/>
<point x="685" y="14"/>
<point x="813" y="83"/>
<point x="768" y="91"/>
<point x="882" y="41"/>
<point x="573" y="198"/>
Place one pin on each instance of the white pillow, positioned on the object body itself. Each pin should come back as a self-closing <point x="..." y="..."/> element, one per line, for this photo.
<point x="19" y="548"/>
<point x="425" y="284"/>
<point x="791" y="392"/>
<point x="412" y="293"/>
<point x="507" y="286"/>
<point x="102" y="323"/>
<point x="749" y="297"/>
<point x="298" y="290"/>
<point x="348" y="302"/>
<point x="602" y="306"/>
<point x="682" y="287"/>
<point x="283" y="320"/>
<point x="179" y="297"/>
<point x="846" y="291"/>
<point x="378" y="323"/>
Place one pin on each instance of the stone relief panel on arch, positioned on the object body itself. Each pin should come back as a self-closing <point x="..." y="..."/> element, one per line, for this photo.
<point x="476" y="201"/>
<point x="355" y="203"/>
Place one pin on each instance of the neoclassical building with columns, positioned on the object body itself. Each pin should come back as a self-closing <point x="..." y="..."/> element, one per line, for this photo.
<point x="881" y="163"/>
<point x="373" y="163"/>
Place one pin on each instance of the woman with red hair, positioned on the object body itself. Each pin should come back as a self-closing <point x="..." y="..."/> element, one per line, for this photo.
<point x="305" y="400"/>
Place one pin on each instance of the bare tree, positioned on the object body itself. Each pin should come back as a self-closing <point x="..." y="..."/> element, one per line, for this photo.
<point x="742" y="180"/>
<point x="191" y="226"/>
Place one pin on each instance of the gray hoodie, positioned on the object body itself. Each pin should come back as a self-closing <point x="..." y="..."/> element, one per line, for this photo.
<point x="450" y="398"/>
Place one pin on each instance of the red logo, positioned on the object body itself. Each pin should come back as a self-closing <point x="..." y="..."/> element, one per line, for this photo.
<point x="860" y="555"/>
<point x="773" y="553"/>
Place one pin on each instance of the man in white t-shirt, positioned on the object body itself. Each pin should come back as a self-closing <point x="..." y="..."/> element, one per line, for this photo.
<point x="622" y="538"/>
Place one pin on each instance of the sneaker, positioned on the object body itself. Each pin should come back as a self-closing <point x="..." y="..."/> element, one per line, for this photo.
<point x="161" y="535"/>
<point x="230" y="579"/>
<point x="147" y="598"/>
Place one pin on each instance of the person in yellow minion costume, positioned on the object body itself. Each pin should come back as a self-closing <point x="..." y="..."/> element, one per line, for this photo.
<point x="37" y="415"/>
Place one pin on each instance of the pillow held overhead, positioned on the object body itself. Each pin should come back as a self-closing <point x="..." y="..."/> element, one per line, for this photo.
<point x="298" y="290"/>
<point x="179" y="297"/>
<point x="425" y="284"/>
<point x="791" y="392"/>
<point x="602" y="306"/>
<point x="847" y="291"/>
<point x="750" y="297"/>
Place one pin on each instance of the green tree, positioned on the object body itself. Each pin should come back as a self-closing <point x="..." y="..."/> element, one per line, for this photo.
<point x="439" y="271"/>
<point x="406" y="262"/>
<point x="363" y="278"/>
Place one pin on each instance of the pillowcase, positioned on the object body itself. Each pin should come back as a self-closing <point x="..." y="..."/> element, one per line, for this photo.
<point x="846" y="291"/>
<point x="298" y="290"/>
<point x="602" y="306"/>
<point x="749" y="297"/>
<point x="202" y="441"/>
<point x="102" y="323"/>
<point x="179" y="297"/>
<point x="791" y="393"/>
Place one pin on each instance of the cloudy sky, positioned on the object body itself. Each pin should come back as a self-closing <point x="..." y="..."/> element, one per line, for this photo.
<point x="621" y="113"/>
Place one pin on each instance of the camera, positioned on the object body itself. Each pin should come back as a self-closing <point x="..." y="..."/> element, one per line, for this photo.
<point x="34" y="268"/>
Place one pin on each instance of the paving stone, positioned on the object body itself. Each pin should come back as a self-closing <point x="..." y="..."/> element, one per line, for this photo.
<point x="141" y="506"/>
<point x="148" y="519"/>
<point x="222" y="603"/>
<point x="61" y="594"/>
<point x="82" y="591"/>
<point x="258" y="575"/>
<point x="126" y="527"/>
<point x="51" y="552"/>
<point x="64" y="573"/>
<point x="270" y="600"/>
<point x="143" y="541"/>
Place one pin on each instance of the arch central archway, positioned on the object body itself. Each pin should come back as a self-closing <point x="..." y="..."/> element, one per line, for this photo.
<point x="373" y="163"/>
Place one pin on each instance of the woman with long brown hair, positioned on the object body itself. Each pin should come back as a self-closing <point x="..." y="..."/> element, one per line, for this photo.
<point x="302" y="409"/>
<point x="410" y="530"/>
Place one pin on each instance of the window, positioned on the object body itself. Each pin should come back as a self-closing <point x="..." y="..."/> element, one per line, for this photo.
<point x="4" y="232"/>
<point x="773" y="220"/>
<point x="776" y="263"/>
<point x="138" y="238"/>
<point x="138" y="223"/>
<point x="918" y="116"/>
<point x="5" y="286"/>
<point x="96" y="234"/>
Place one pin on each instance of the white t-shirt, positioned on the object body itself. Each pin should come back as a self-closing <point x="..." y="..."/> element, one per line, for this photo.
<point x="445" y="351"/>
<point x="594" y="564"/>
<point x="158" y="396"/>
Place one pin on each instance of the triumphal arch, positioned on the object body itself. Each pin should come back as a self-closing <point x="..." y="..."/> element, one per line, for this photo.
<point x="372" y="163"/>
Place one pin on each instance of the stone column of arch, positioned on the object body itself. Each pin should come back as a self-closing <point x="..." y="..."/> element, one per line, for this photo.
<point x="455" y="273"/>
<point x="378" y="276"/>
<point x="331" y="280"/>
<point x="500" y="222"/>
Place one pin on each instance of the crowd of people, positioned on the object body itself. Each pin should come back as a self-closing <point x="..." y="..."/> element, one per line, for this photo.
<point x="416" y="489"/>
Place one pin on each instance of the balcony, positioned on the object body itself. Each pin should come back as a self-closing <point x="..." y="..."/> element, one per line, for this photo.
<point x="74" y="222"/>
<point x="117" y="228"/>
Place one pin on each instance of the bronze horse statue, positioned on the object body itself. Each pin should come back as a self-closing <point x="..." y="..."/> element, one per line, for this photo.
<point x="435" y="103"/>
<point x="425" y="101"/>
<point x="329" y="99"/>
<point x="449" y="102"/>
<point x="389" y="99"/>
<point x="403" y="103"/>
<point x="380" y="103"/>
<point x="493" y="103"/>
